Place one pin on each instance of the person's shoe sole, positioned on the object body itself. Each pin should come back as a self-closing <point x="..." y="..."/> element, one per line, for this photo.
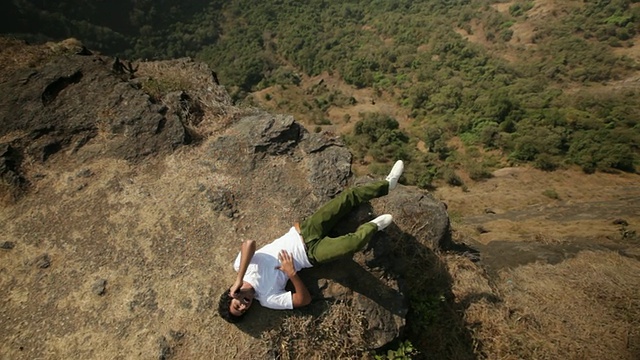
<point x="383" y="221"/>
<point x="395" y="174"/>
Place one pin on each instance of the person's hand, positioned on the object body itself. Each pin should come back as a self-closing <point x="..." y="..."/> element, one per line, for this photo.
<point x="234" y="291"/>
<point x="286" y="264"/>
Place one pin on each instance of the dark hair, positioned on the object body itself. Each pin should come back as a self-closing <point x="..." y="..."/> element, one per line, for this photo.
<point x="223" y="308"/>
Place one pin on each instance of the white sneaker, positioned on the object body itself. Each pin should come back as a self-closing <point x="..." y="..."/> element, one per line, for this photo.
<point x="382" y="221"/>
<point x="395" y="174"/>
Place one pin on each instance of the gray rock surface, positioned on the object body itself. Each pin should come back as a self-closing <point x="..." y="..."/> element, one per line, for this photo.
<point x="68" y="102"/>
<point x="372" y="281"/>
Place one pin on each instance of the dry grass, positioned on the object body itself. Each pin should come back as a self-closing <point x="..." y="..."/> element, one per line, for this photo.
<point x="584" y="308"/>
<point x="15" y="55"/>
<point x="337" y="334"/>
<point x="211" y="111"/>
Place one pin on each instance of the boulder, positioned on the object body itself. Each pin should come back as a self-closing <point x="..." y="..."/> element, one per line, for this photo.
<point x="370" y="284"/>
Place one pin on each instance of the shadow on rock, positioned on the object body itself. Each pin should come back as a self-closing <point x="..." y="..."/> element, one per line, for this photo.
<point x="435" y="324"/>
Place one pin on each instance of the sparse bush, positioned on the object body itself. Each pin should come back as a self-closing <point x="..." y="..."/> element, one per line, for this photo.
<point x="450" y="177"/>
<point x="405" y="351"/>
<point x="428" y="309"/>
<point x="506" y="35"/>
<point x="157" y="88"/>
<point x="378" y="136"/>
<point x="478" y="171"/>
<point x="545" y="162"/>
<point x="520" y="8"/>
<point x="551" y="193"/>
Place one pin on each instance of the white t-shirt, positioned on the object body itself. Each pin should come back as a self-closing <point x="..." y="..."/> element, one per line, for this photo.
<point x="266" y="279"/>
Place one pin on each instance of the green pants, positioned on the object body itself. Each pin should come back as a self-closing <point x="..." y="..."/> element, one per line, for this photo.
<point x="314" y="230"/>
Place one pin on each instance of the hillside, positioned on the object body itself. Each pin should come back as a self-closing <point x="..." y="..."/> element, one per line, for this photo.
<point x="548" y="83"/>
<point x="119" y="234"/>
<point x="123" y="208"/>
<point x="520" y="116"/>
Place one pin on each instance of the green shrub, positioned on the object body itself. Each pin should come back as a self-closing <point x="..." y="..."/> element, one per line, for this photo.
<point x="378" y="136"/>
<point x="450" y="177"/>
<point x="551" y="193"/>
<point x="405" y="351"/>
<point x="478" y="171"/>
<point x="427" y="309"/>
<point x="545" y="162"/>
<point x="506" y="35"/>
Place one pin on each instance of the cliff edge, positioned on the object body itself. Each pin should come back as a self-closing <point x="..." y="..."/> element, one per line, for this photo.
<point x="126" y="191"/>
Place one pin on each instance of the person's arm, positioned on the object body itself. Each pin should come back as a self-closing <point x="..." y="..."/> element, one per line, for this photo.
<point x="301" y="297"/>
<point x="246" y="254"/>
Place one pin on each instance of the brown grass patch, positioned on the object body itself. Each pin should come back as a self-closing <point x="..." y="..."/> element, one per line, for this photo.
<point x="16" y="54"/>
<point x="159" y="78"/>
<point x="336" y="334"/>
<point x="520" y="211"/>
<point x="584" y="308"/>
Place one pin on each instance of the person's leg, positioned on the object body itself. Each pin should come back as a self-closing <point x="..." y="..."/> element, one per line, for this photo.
<point x="320" y="248"/>
<point x="318" y="225"/>
<point x="329" y="249"/>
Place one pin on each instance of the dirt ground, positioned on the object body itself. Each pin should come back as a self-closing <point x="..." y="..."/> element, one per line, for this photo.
<point x="106" y="260"/>
<point x="560" y="278"/>
<point x="561" y="256"/>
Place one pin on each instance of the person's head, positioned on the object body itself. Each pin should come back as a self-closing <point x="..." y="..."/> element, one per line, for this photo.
<point x="233" y="309"/>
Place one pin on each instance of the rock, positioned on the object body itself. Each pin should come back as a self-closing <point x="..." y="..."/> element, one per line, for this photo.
<point x="146" y="299"/>
<point x="165" y="349"/>
<point x="222" y="200"/>
<point x="65" y="103"/>
<point x="7" y="245"/>
<point x="331" y="167"/>
<point x="315" y="142"/>
<point x="10" y="159"/>
<point x="270" y="134"/>
<point x="99" y="287"/>
<point x="622" y="222"/>
<point x="43" y="261"/>
<point x="371" y="282"/>
<point x="419" y="215"/>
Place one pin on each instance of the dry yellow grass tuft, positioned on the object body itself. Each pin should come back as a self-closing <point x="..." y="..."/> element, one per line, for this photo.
<point x="336" y="334"/>
<point x="584" y="308"/>
<point x="211" y="100"/>
<point x="14" y="54"/>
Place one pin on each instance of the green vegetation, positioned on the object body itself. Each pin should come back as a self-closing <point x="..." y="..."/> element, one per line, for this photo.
<point x="551" y="193"/>
<point x="547" y="107"/>
<point x="405" y="351"/>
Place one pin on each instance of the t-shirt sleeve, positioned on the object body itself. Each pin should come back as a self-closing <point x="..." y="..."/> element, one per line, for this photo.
<point x="236" y="264"/>
<point x="281" y="301"/>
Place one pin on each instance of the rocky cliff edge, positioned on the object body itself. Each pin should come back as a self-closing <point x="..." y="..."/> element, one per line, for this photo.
<point x="126" y="191"/>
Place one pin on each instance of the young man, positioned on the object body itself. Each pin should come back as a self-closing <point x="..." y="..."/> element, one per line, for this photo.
<point x="263" y="274"/>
